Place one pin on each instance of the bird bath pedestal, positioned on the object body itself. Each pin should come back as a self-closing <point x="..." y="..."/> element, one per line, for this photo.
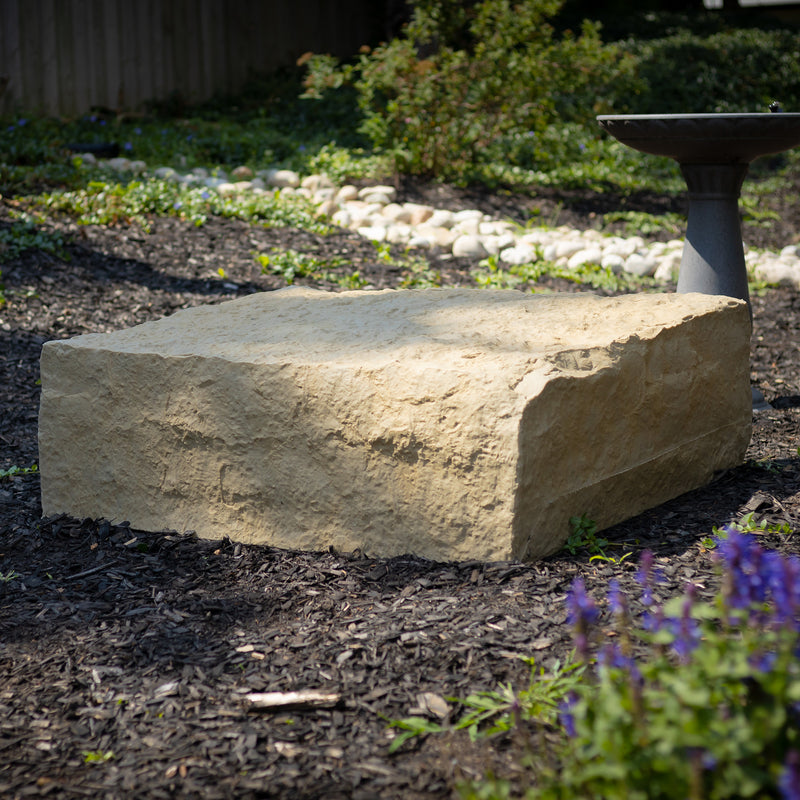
<point x="714" y="152"/>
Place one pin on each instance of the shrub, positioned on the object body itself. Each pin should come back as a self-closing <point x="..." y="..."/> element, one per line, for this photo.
<point x="461" y="84"/>
<point x="730" y="71"/>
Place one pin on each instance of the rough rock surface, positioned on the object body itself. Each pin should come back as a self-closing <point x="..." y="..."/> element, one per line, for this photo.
<point x="453" y="424"/>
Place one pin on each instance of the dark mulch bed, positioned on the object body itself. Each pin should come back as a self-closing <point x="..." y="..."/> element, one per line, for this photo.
<point x="146" y="645"/>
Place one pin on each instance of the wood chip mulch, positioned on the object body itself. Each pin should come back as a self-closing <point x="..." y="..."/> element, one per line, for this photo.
<point x="134" y="665"/>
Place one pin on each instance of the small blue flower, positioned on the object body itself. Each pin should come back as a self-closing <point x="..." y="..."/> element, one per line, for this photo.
<point x="789" y="781"/>
<point x="205" y="194"/>
<point x="648" y="576"/>
<point x="763" y="662"/>
<point x="128" y="146"/>
<point x="137" y="131"/>
<point x="177" y="204"/>
<point x="565" y="715"/>
<point x="580" y="606"/>
<point x="21" y="122"/>
<point x="617" y="600"/>
<point x="582" y="612"/>
<point x="744" y="562"/>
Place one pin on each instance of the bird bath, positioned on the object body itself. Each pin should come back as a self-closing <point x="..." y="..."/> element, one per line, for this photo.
<point x="714" y="152"/>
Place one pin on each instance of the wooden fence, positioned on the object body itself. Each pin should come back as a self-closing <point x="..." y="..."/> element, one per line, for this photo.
<point x="65" y="56"/>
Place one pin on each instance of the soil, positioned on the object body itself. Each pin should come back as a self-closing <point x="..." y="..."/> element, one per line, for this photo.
<point x="128" y="657"/>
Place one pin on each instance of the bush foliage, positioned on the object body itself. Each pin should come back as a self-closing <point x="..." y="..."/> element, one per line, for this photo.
<point x="729" y="71"/>
<point x="468" y="84"/>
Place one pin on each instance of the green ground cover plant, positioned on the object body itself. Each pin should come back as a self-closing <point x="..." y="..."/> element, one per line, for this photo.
<point x="697" y="698"/>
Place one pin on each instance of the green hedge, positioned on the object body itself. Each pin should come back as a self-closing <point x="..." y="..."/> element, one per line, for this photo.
<point x="732" y="71"/>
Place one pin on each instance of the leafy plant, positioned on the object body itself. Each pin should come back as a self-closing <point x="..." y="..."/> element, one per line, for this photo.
<point x="638" y="223"/>
<point x="291" y="264"/>
<point x="25" y="234"/>
<point x="97" y="756"/>
<point x="584" y="536"/>
<point x="461" y="82"/>
<point x="750" y="524"/>
<point x="350" y="280"/>
<point x="491" y="712"/>
<point x="7" y="577"/>
<point x="417" y="274"/>
<point x="492" y="275"/>
<point x="695" y="699"/>
<point x="106" y="202"/>
<point x="15" y="470"/>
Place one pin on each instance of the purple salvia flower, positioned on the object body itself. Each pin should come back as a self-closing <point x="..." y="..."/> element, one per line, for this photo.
<point x="612" y="656"/>
<point x="566" y="715"/>
<point x="742" y="558"/>
<point x="763" y="661"/>
<point x="685" y="628"/>
<point x="581" y="613"/>
<point x="789" y="781"/>
<point x="648" y="576"/>
<point x="580" y="606"/>
<point x="617" y="600"/>
<point x="783" y="579"/>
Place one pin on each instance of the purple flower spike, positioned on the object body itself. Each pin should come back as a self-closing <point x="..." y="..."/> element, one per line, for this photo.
<point x="565" y="715"/>
<point x="686" y="629"/>
<point x="582" y="612"/>
<point x="617" y="600"/>
<point x="789" y="781"/>
<point x="749" y="569"/>
<point x="581" y="607"/>
<point x="783" y="578"/>
<point x="648" y="576"/>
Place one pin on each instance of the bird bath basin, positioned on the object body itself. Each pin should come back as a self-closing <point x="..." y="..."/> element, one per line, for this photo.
<point x="714" y="152"/>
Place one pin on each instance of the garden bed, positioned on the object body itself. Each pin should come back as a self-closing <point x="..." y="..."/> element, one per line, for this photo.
<point x="128" y="657"/>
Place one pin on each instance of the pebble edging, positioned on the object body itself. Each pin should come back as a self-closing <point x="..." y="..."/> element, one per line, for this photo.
<point x="374" y="213"/>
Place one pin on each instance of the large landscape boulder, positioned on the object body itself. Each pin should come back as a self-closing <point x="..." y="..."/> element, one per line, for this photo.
<point x="449" y="423"/>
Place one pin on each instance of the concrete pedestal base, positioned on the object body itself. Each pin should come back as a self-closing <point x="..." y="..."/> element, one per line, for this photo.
<point x="454" y="424"/>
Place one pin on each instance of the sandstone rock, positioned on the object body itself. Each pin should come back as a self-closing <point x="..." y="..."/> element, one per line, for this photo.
<point x="454" y="424"/>
<point x="242" y="173"/>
